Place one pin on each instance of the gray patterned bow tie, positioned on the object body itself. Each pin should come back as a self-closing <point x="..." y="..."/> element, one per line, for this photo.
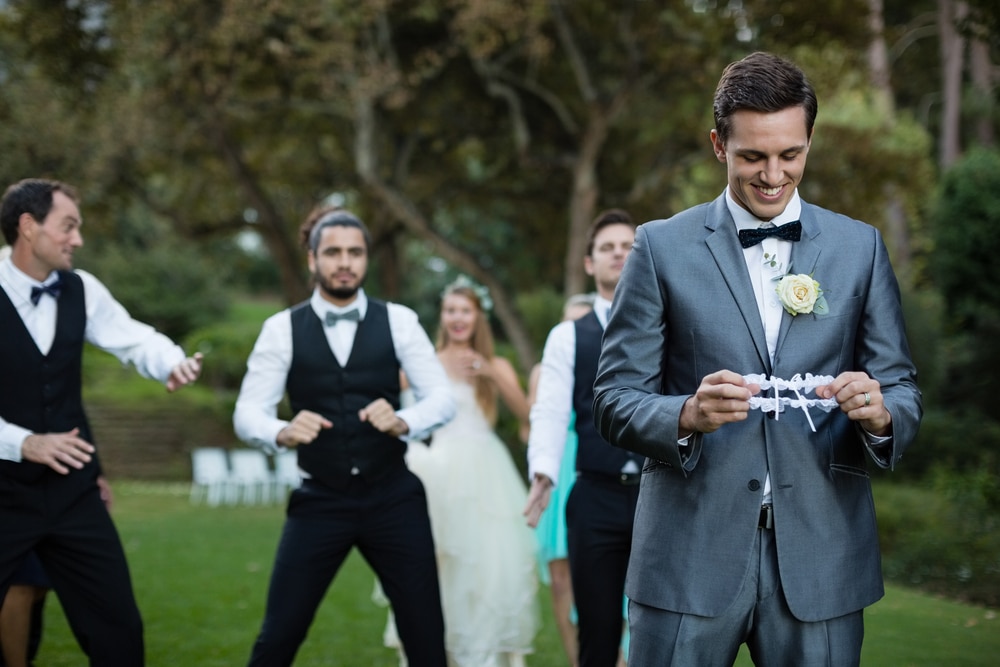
<point x="351" y="315"/>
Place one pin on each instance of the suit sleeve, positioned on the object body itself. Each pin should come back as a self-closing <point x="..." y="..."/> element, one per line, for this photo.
<point x="629" y="409"/>
<point x="882" y="352"/>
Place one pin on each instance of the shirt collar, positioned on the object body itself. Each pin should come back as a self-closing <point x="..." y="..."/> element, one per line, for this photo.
<point x="601" y="308"/>
<point x="17" y="283"/>
<point x="745" y="220"/>
<point x="321" y="306"/>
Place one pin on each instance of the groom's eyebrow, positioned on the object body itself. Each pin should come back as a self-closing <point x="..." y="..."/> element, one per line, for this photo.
<point x="754" y="153"/>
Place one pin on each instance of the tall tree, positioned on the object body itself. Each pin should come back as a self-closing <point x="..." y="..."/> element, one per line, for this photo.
<point x="952" y="45"/>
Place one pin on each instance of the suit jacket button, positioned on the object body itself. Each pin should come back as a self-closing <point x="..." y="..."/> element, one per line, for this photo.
<point x="754" y="485"/>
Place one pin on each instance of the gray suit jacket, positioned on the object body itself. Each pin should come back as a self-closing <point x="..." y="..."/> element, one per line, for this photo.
<point x="685" y="308"/>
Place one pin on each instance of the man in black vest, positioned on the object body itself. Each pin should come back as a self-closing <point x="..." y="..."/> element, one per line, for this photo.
<point x="601" y="505"/>
<point x="338" y="356"/>
<point x="49" y="497"/>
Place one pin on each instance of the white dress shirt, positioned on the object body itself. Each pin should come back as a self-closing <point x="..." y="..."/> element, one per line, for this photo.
<point x="767" y="261"/>
<point x="553" y="406"/>
<point x="109" y="327"/>
<point x="255" y="418"/>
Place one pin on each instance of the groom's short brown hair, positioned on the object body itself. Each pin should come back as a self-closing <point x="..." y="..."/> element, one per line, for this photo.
<point x="765" y="83"/>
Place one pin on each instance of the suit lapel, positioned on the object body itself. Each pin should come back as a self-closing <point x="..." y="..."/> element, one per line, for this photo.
<point x="805" y="255"/>
<point x="724" y="245"/>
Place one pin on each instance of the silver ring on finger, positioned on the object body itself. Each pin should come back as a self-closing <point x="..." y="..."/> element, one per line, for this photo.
<point x="868" y="399"/>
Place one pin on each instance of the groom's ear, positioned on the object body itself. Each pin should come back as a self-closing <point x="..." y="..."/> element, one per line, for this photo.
<point x="718" y="147"/>
<point x="588" y="265"/>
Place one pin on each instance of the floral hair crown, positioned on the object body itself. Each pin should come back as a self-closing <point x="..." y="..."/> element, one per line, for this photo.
<point x="464" y="281"/>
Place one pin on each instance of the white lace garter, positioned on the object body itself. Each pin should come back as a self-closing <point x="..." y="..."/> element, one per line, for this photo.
<point x="799" y="386"/>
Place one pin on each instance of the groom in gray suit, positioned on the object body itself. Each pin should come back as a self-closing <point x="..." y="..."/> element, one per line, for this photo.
<point x="756" y="355"/>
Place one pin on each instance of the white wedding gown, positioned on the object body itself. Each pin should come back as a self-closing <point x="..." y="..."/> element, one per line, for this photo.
<point x="485" y="551"/>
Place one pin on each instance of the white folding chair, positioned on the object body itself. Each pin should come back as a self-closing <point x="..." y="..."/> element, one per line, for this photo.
<point x="250" y="478"/>
<point x="286" y="473"/>
<point x="210" y="474"/>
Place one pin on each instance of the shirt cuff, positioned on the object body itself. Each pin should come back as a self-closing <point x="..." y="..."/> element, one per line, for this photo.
<point x="11" y="439"/>
<point x="879" y="446"/>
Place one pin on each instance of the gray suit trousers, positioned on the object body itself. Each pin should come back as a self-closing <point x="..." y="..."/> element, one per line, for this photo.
<point x="759" y="617"/>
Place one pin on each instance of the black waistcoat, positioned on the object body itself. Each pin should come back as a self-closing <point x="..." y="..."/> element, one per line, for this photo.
<point x="594" y="453"/>
<point x="39" y="392"/>
<point x="317" y="382"/>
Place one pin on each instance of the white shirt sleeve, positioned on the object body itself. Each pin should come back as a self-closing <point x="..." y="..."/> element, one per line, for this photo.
<point x="11" y="437"/>
<point x="255" y="419"/>
<point x="550" y="415"/>
<point x="435" y="402"/>
<point x="112" y="329"/>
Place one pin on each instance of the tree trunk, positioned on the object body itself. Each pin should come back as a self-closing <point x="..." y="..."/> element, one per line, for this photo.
<point x="982" y="83"/>
<point x="952" y="47"/>
<point x="878" y="58"/>
<point x="896" y="229"/>
<point x="583" y="201"/>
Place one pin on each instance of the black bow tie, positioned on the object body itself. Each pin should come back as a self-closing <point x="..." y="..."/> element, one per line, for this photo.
<point x="52" y="289"/>
<point x="351" y="315"/>
<point x="791" y="231"/>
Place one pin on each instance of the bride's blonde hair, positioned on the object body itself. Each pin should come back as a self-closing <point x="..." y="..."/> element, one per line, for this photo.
<point x="481" y="342"/>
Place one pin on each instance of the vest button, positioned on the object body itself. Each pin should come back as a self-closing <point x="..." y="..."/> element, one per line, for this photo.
<point x="355" y="470"/>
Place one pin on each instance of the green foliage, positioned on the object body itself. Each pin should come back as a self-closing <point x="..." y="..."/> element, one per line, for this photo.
<point x="965" y="218"/>
<point x="542" y="309"/>
<point x="945" y="538"/>
<point x="922" y="312"/>
<point x="68" y="41"/>
<point x="105" y="380"/>
<point x="853" y="142"/>
<point x="227" y="344"/>
<point x="957" y="438"/>
<point x="169" y="285"/>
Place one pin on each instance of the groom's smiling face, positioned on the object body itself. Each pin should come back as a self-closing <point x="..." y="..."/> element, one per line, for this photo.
<point x="340" y="263"/>
<point x="765" y="157"/>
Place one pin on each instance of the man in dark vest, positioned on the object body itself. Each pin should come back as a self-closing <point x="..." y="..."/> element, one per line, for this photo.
<point x="49" y="496"/>
<point x="338" y="356"/>
<point x="601" y="504"/>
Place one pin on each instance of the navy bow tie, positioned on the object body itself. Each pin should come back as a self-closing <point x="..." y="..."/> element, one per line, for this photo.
<point x="351" y="315"/>
<point x="791" y="231"/>
<point x="52" y="289"/>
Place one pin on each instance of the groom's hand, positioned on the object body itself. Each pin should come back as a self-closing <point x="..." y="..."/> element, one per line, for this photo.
<point x="860" y="398"/>
<point x="723" y="397"/>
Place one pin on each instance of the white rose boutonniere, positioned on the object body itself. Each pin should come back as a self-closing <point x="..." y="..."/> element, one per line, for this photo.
<point x="800" y="294"/>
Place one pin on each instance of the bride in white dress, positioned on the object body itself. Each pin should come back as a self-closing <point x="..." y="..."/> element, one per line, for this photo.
<point x="475" y="494"/>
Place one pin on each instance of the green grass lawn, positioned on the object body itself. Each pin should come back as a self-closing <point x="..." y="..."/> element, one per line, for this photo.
<point x="201" y="576"/>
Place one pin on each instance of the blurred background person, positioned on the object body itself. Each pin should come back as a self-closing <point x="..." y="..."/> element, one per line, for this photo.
<point x="551" y="529"/>
<point x="485" y="553"/>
